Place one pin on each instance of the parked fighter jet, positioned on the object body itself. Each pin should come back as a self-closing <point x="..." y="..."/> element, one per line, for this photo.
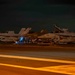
<point x="10" y="36"/>
<point x="65" y="36"/>
<point x="59" y="36"/>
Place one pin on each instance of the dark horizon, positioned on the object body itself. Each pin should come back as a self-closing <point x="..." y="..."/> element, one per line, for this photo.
<point x="37" y="14"/>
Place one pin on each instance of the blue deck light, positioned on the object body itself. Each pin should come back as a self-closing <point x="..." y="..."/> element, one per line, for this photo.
<point x="22" y="39"/>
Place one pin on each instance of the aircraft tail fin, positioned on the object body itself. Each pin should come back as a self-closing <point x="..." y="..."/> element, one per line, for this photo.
<point x="26" y="31"/>
<point x="10" y="32"/>
<point x="57" y="29"/>
<point x="22" y="30"/>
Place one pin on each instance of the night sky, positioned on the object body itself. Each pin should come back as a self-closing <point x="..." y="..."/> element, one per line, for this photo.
<point x="38" y="14"/>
